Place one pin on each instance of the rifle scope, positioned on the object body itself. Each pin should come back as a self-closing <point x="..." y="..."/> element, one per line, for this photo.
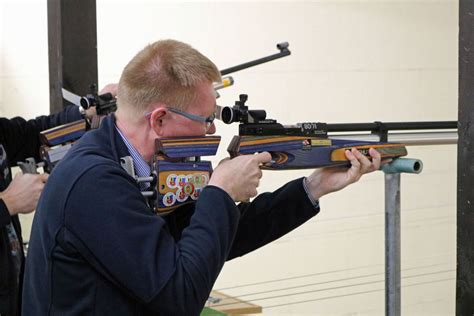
<point x="240" y="113"/>
<point x="104" y="103"/>
<point x="94" y="99"/>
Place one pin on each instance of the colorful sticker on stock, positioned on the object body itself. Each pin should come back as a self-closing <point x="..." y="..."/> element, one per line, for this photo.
<point x="180" y="183"/>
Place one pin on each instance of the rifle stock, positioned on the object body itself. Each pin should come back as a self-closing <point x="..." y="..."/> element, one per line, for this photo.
<point x="302" y="152"/>
<point x="58" y="140"/>
<point x="181" y="173"/>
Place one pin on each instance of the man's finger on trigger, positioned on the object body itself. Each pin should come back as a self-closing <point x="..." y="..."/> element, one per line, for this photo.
<point x="223" y="160"/>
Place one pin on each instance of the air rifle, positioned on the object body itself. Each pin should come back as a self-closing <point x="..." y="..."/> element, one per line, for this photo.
<point x="58" y="140"/>
<point x="104" y="103"/>
<point x="182" y="174"/>
<point x="300" y="146"/>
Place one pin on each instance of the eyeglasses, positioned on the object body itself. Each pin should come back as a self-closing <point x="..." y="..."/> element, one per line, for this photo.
<point x="208" y="120"/>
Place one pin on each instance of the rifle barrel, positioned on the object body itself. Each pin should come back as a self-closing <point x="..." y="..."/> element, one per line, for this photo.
<point x="284" y="51"/>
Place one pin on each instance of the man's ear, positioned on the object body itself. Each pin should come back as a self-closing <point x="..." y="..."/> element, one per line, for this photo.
<point x="158" y="120"/>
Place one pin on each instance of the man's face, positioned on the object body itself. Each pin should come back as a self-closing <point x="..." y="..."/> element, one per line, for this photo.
<point x="204" y="106"/>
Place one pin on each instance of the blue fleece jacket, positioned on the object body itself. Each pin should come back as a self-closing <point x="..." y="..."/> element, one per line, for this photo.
<point x="97" y="249"/>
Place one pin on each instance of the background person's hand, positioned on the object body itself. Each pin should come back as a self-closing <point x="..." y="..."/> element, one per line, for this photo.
<point x="240" y="176"/>
<point x="22" y="195"/>
<point x="109" y="88"/>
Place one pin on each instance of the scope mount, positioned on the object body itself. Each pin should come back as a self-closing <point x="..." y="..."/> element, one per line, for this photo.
<point x="255" y="123"/>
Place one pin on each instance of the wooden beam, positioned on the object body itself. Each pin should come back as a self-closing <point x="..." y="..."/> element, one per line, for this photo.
<point x="465" y="183"/>
<point x="72" y="40"/>
<point x="230" y="305"/>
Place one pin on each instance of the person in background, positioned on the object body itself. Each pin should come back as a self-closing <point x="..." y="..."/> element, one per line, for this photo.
<point x="19" y="140"/>
<point x="97" y="248"/>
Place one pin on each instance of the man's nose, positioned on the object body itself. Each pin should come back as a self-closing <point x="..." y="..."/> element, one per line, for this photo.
<point x="212" y="129"/>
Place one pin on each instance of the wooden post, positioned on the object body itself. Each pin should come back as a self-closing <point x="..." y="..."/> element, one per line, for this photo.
<point x="465" y="189"/>
<point x="72" y="39"/>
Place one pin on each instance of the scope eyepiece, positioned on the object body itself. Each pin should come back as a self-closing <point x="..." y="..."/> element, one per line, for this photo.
<point x="87" y="101"/>
<point x="227" y="115"/>
<point x="233" y="114"/>
<point x="240" y="113"/>
<point x="96" y="100"/>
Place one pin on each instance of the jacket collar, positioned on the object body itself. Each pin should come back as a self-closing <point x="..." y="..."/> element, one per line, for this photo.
<point x="108" y="126"/>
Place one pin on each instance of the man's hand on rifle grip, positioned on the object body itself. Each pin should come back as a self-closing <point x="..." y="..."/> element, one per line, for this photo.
<point x="240" y="176"/>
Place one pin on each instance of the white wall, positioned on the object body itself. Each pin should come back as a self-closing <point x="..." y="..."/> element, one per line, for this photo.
<point x="352" y="61"/>
<point x="24" y="88"/>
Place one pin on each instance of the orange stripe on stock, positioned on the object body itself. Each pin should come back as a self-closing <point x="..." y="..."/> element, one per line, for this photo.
<point x="385" y="150"/>
<point x="64" y="131"/>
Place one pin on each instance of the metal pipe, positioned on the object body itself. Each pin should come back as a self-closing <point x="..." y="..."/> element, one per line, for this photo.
<point x="403" y="165"/>
<point x="392" y="245"/>
<point x="407" y="138"/>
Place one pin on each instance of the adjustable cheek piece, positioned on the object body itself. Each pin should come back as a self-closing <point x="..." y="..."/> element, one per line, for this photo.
<point x="182" y="175"/>
<point x="58" y="140"/>
<point x="178" y="173"/>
